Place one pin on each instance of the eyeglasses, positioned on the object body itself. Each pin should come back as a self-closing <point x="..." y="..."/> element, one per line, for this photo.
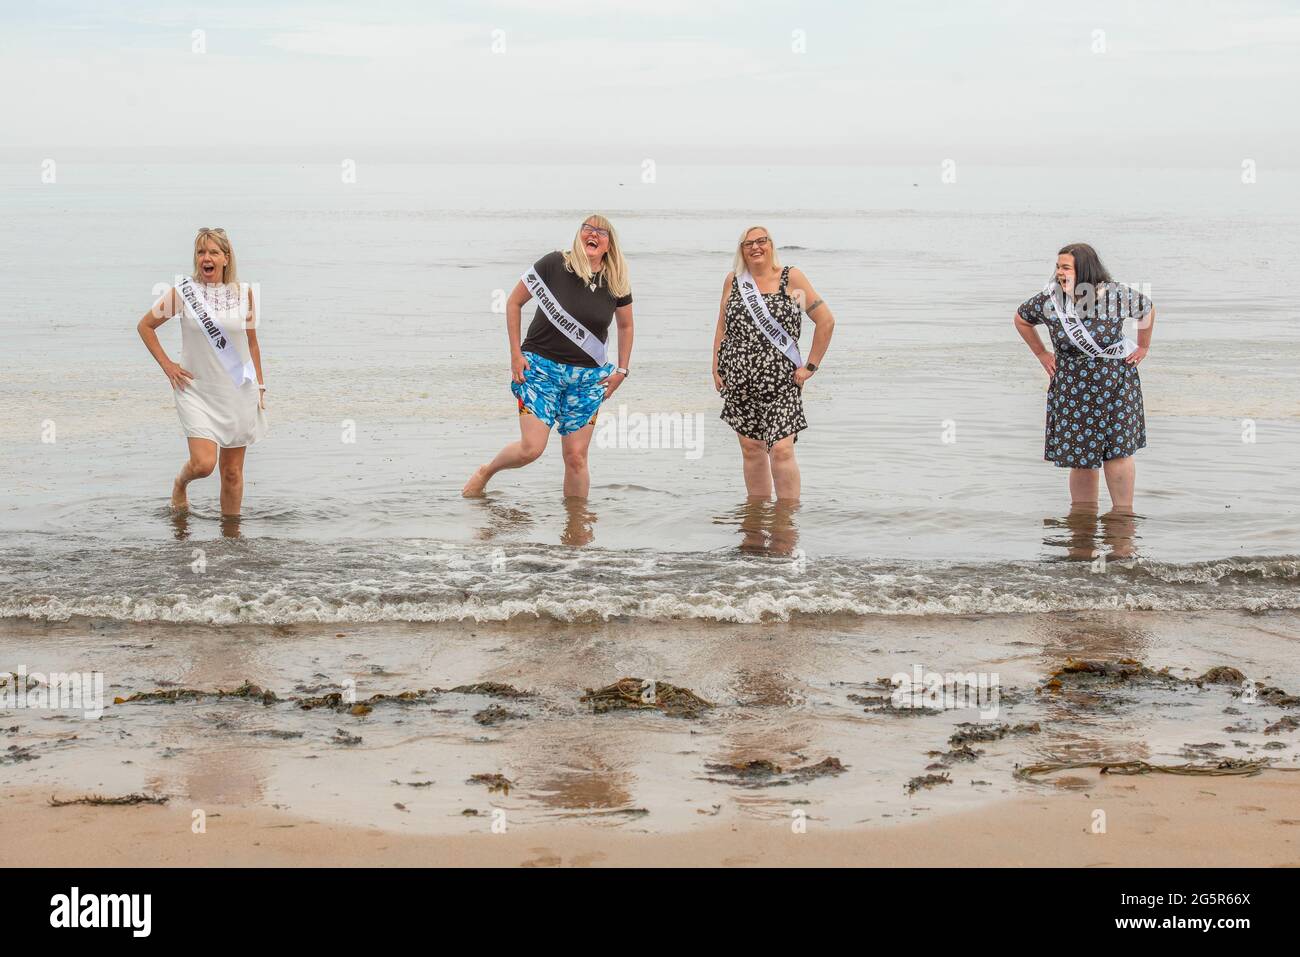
<point x="760" y="243"/>
<point x="588" y="228"/>
<point x="213" y="229"/>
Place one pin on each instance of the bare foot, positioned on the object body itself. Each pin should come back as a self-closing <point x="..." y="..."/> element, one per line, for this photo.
<point x="180" y="501"/>
<point x="477" y="483"/>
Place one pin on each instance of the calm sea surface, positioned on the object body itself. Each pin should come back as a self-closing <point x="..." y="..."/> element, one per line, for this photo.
<point x="924" y="485"/>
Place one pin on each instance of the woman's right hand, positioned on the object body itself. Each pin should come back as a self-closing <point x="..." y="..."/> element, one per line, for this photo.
<point x="518" y="365"/>
<point x="717" y="381"/>
<point x="176" y="375"/>
<point x="1048" y="360"/>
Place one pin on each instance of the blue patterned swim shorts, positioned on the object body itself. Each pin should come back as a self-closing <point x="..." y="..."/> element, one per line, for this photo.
<point x="556" y="392"/>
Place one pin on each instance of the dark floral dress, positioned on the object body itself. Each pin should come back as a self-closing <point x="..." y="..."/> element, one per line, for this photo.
<point x="1094" y="406"/>
<point x="760" y="399"/>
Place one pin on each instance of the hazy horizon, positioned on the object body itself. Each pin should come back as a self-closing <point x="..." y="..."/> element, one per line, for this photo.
<point x="1160" y="84"/>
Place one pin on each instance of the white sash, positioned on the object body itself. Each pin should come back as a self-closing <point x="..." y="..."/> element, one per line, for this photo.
<point x="576" y="332"/>
<point x="766" y="322"/>
<point x="240" y="371"/>
<point x="1078" y="334"/>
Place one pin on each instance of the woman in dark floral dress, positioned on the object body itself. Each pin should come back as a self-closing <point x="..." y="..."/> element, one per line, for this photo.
<point x="1095" y="418"/>
<point x="761" y="385"/>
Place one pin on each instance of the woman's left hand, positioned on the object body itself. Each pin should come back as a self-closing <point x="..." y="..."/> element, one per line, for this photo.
<point x="261" y="400"/>
<point x="612" y="382"/>
<point x="801" y="375"/>
<point x="1137" y="356"/>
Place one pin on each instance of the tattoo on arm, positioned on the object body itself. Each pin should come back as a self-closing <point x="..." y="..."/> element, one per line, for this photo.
<point x="816" y="303"/>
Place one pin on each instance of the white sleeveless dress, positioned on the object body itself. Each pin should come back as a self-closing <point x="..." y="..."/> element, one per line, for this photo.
<point x="211" y="406"/>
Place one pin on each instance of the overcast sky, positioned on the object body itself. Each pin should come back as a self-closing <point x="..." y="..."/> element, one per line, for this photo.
<point x="1164" y="82"/>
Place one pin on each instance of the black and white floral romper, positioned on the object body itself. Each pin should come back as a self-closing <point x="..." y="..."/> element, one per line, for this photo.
<point x="1094" y="406"/>
<point x="760" y="399"/>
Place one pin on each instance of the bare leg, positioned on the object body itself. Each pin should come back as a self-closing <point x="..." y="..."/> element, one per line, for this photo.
<point x="202" y="460"/>
<point x="785" y="470"/>
<point x="1121" y="476"/>
<point x="577" y="482"/>
<point x="532" y="443"/>
<point x="758" y="468"/>
<point x="232" y="481"/>
<point x="1083" y="486"/>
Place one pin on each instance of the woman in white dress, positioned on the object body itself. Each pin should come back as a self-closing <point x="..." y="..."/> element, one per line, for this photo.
<point x="217" y="384"/>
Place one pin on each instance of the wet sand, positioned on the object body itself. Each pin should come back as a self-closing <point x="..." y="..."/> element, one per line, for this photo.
<point x="1150" y="822"/>
<point x="493" y="730"/>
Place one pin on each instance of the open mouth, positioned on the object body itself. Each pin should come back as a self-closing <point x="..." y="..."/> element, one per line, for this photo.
<point x="208" y="269"/>
<point x="592" y="244"/>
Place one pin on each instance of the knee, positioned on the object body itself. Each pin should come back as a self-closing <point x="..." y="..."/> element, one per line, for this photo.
<point x="782" y="454"/>
<point x="575" y="461"/>
<point x="531" y="451"/>
<point x="232" y="474"/>
<point x="201" y="466"/>
<point x="753" y="449"/>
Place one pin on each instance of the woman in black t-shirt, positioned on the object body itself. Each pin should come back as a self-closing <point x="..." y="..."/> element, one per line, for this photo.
<point x="560" y="374"/>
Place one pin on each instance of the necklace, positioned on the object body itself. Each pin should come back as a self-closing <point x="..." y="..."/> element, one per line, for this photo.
<point x="597" y="279"/>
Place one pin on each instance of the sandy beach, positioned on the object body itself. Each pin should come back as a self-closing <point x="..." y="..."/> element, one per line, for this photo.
<point x="781" y="742"/>
<point x="1154" y="821"/>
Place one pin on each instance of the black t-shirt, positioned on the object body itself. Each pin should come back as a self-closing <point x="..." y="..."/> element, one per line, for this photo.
<point x="595" y="310"/>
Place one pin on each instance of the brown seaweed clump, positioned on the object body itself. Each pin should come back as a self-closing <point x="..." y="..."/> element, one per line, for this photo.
<point x="927" y="781"/>
<point x="495" y="714"/>
<point x="173" y="695"/>
<point x="335" y="701"/>
<point x="1226" y="766"/>
<point x="966" y="733"/>
<point x="493" y="689"/>
<point x="1286" y="723"/>
<point x="98" y="800"/>
<point x="494" y="782"/>
<point x="762" y="772"/>
<point x="1079" y="673"/>
<point x="638" y="694"/>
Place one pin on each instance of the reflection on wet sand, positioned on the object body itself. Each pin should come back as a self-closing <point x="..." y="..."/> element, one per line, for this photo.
<point x="1084" y="723"/>
<point x="1090" y="536"/>
<point x="766" y="528"/>
<point x="224" y="775"/>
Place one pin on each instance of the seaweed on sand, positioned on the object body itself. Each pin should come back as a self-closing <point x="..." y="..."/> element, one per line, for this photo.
<point x="171" y="696"/>
<point x="98" y="800"/>
<point x="494" y="782"/>
<point x="927" y="781"/>
<point x="762" y="772"/>
<point x="638" y="694"/>
<point x="1227" y="766"/>
<point x="493" y="689"/>
<point x="335" y="701"/>
<point x="495" y="714"/>
<point x="967" y="732"/>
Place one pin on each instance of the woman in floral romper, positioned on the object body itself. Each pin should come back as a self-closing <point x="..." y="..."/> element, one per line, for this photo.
<point x="762" y="390"/>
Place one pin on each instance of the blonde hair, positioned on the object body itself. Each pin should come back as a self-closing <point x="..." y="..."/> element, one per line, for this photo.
<point x="616" y="277"/>
<point x="738" y="265"/>
<point x="218" y="236"/>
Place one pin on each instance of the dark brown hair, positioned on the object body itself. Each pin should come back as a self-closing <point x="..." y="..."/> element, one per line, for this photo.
<point x="1088" y="267"/>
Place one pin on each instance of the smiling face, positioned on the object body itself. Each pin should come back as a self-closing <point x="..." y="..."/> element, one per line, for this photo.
<point x="211" y="260"/>
<point x="594" y="239"/>
<point x="756" y="250"/>
<point x="1065" y="272"/>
